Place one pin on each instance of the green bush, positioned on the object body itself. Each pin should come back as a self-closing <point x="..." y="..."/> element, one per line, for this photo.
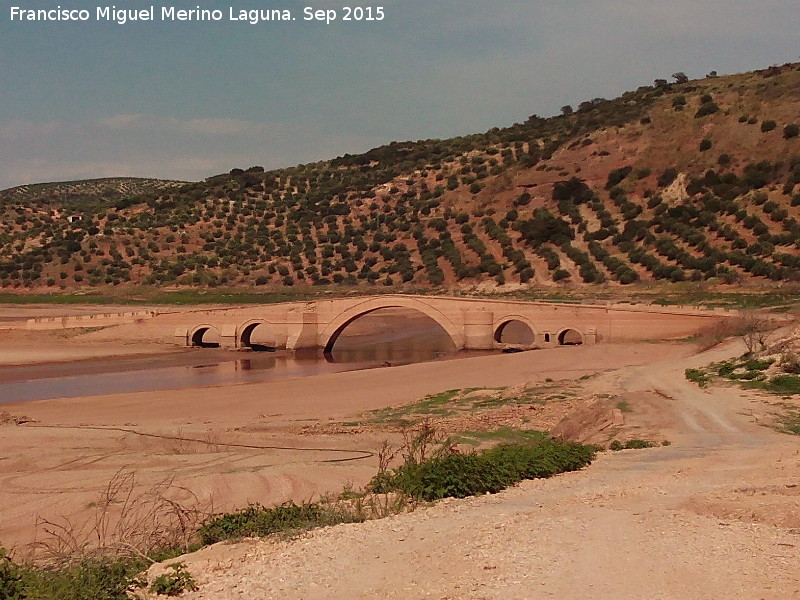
<point x="11" y="585"/>
<point x="767" y="125"/>
<point x="755" y="364"/>
<point x="88" y="580"/>
<point x="697" y="376"/>
<point x="175" y="582"/>
<point x="490" y="471"/>
<point x="746" y="376"/>
<point x="784" y="384"/>
<point x="726" y="369"/>
<point x="258" y="521"/>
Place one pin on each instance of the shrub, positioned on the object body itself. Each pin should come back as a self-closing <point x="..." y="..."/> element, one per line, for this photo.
<point x="705" y="144"/>
<point x="11" y="586"/>
<point x="545" y="227"/>
<point x="634" y="444"/>
<point x="697" y="376"/>
<point x="667" y="177"/>
<point x="175" y="582"/>
<point x="784" y="384"/>
<point x="726" y="369"/>
<point x="490" y="471"/>
<point x="767" y="125"/>
<point x="258" y="521"/>
<point x="707" y="108"/>
<point x="523" y="200"/>
<point x="790" y="363"/>
<point x="616" y="176"/>
<point x="791" y="131"/>
<point x="87" y="580"/>
<point x="560" y="275"/>
<point x="755" y="364"/>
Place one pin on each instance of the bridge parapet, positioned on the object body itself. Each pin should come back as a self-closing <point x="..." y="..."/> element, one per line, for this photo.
<point x="88" y="321"/>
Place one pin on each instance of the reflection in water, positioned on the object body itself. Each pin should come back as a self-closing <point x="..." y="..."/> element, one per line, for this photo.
<point x="385" y="337"/>
<point x="394" y="336"/>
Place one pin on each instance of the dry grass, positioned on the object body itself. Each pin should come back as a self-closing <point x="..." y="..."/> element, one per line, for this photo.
<point x="209" y="442"/>
<point x="128" y="520"/>
<point x="753" y="328"/>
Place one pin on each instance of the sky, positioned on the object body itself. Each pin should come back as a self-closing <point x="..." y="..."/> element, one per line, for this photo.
<point x="188" y="100"/>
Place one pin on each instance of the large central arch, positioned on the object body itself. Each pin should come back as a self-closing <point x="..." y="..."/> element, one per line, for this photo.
<point x="332" y="331"/>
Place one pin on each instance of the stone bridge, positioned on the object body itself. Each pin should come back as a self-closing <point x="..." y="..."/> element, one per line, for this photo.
<point x="472" y="324"/>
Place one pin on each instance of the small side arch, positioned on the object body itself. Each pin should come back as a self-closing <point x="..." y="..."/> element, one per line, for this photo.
<point x="205" y="336"/>
<point x="569" y="336"/>
<point x="266" y="340"/>
<point x="332" y="331"/>
<point x="514" y="322"/>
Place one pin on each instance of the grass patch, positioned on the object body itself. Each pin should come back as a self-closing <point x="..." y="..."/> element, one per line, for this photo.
<point x="755" y="364"/>
<point x="634" y="444"/>
<point x="503" y="434"/>
<point x="133" y="295"/>
<point x="624" y="406"/>
<point x="434" y="404"/>
<point x="789" y="421"/>
<point x="749" y="372"/>
<point x="465" y="401"/>
<point x="697" y="376"/>
<point x="785" y="385"/>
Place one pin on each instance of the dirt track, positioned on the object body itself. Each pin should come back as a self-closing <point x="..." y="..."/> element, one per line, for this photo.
<point x="715" y="515"/>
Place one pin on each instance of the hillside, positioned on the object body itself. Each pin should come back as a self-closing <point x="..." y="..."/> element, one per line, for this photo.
<point x="696" y="180"/>
<point x="81" y="194"/>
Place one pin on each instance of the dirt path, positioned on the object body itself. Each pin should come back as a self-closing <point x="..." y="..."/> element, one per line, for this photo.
<point x="715" y="515"/>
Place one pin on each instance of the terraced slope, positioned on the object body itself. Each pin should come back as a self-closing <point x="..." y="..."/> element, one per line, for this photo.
<point x="691" y="181"/>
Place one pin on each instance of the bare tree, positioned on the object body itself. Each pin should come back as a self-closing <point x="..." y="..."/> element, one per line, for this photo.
<point x="754" y="331"/>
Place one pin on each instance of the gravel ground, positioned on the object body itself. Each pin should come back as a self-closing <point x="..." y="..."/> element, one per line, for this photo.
<point x="677" y="522"/>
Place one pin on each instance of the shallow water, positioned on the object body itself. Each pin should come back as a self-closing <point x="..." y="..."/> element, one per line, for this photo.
<point x="377" y="340"/>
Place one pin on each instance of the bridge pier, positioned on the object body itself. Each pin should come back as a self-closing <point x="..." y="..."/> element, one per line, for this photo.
<point x="181" y="337"/>
<point x="303" y="330"/>
<point x="228" y="337"/>
<point x="478" y="330"/>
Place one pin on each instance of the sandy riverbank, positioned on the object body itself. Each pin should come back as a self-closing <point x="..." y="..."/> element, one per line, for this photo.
<point x="56" y="466"/>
